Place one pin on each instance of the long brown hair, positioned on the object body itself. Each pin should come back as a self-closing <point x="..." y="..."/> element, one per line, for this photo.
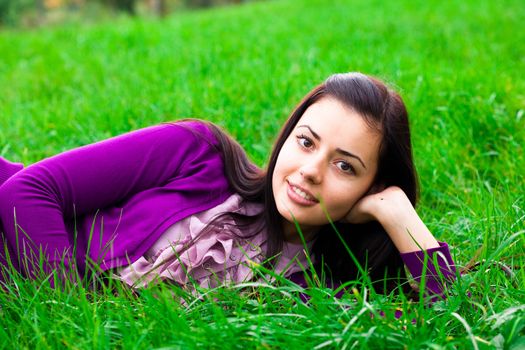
<point x="384" y="110"/>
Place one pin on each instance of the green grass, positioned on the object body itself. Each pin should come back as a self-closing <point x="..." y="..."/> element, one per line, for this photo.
<point x="460" y="68"/>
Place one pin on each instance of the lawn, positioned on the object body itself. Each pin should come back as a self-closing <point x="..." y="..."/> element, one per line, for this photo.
<point x="460" y="67"/>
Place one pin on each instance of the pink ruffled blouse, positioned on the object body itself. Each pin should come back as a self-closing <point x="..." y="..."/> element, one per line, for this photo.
<point x="220" y="255"/>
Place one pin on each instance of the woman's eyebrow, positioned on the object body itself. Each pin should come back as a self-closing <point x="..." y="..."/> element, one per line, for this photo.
<point x="316" y="135"/>
<point x="338" y="150"/>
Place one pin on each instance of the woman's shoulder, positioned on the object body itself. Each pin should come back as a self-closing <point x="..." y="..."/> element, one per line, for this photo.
<point x="203" y="130"/>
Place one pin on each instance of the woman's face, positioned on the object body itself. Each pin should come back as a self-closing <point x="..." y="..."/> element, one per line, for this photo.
<point x="330" y="159"/>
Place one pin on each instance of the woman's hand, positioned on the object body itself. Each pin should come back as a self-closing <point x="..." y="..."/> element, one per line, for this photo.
<point x="371" y="206"/>
<point x="393" y="210"/>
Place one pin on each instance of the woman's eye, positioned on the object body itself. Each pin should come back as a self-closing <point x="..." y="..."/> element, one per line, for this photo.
<point x="304" y="141"/>
<point x="346" y="167"/>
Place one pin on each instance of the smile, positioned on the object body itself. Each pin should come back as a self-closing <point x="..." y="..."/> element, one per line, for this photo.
<point x="300" y="196"/>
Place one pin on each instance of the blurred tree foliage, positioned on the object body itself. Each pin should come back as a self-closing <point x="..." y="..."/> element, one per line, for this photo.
<point x="11" y="11"/>
<point x="160" y="6"/>
<point x="127" y="6"/>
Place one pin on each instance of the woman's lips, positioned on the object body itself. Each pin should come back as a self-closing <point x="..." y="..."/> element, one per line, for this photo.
<point x="300" y="196"/>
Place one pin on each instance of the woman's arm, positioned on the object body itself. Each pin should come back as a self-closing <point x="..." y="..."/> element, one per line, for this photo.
<point x="393" y="210"/>
<point x="36" y="202"/>
<point x="424" y="256"/>
<point x="95" y="176"/>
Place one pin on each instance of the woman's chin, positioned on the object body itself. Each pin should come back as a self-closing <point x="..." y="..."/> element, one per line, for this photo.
<point x="304" y="222"/>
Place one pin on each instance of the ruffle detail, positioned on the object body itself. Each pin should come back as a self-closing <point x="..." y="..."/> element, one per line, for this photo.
<point x="186" y="253"/>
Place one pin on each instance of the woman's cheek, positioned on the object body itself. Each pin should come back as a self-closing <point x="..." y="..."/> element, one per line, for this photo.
<point x="343" y="199"/>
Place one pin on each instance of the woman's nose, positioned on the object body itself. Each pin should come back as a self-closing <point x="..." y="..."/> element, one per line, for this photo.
<point x="311" y="172"/>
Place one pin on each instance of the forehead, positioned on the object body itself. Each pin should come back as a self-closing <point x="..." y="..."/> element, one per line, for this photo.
<point x="341" y="127"/>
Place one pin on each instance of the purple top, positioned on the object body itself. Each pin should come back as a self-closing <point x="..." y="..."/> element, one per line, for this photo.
<point x="111" y="201"/>
<point x="119" y="195"/>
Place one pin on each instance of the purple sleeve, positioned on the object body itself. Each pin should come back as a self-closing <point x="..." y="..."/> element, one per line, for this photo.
<point x="434" y="265"/>
<point x="36" y="201"/>
<point x="436" y="277"/>
<point x="8" y="169"/>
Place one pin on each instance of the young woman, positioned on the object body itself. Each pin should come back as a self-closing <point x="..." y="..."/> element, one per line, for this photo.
<point x="181" y="202"/>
